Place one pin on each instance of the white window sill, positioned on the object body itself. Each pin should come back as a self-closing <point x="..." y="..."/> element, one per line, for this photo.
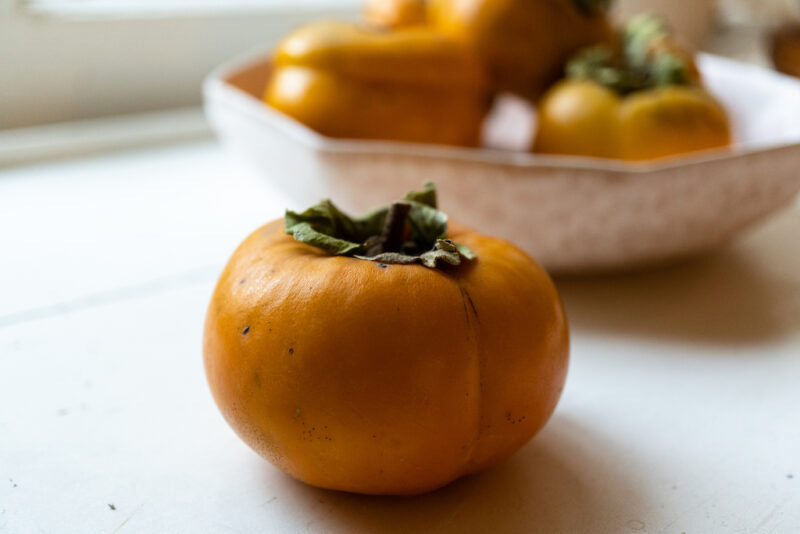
<point x="93" y="136"/>
<point x="124" y="9"/>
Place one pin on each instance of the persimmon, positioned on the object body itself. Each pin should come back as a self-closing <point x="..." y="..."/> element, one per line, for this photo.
<point x="384" y="354"/>
<point x="524" y="43"/>
<point x="640" y="102"/>
<point x="353" y="81"/>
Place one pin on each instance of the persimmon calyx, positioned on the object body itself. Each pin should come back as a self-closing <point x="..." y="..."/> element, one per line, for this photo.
<point x="407" y="232"/>
<point x="645" y="60"/>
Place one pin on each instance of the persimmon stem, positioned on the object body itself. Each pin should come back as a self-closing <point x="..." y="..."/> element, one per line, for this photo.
<point x="404" y="233"/>
<point x="394" y="228"/>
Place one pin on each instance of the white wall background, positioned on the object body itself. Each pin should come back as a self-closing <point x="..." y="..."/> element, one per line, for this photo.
<point x="62" y="60"/>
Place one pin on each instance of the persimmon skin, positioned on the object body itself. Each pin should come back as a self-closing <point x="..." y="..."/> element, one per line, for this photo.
<point x="342" y="108"/>
<point x="384" y="379"/>
<point x="390" y="14"/>
<point x="524" y="43"/>
<point x="584" y="118"/>
<point x="351" y="81"/>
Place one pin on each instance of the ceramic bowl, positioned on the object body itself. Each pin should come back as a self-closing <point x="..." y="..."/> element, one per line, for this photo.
<point x="573" y="214"/>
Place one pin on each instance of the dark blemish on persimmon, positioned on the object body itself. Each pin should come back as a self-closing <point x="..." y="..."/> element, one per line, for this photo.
<point x="472" y="304"/>
<point x="291" y="350"/>
<point x="383" y="266"/>
<point x="243" y="280"/>
<point x="246" y="330"/>
<point x="466" y="311"/>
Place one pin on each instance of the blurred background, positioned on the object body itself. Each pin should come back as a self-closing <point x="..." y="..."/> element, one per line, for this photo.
<point x="70" y="60"/>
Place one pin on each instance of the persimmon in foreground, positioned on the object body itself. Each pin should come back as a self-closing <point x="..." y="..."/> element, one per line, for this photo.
<point x="385" y="354"/>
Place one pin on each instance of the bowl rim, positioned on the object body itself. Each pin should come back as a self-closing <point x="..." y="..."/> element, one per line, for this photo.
<point x="216" y="88"/>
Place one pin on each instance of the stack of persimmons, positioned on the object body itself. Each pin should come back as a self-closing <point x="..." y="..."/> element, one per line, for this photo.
<point x="428" y="71"/>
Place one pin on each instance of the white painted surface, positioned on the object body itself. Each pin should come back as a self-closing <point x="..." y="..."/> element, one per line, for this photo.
<point x="680" y="414"/>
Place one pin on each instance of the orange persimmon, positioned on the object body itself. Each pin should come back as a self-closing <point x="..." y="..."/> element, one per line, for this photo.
<point x="351" y="81"/>
<point x="524" y="43"/>
<point x="641" y="102"/>
<point x="369" y="372"/>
